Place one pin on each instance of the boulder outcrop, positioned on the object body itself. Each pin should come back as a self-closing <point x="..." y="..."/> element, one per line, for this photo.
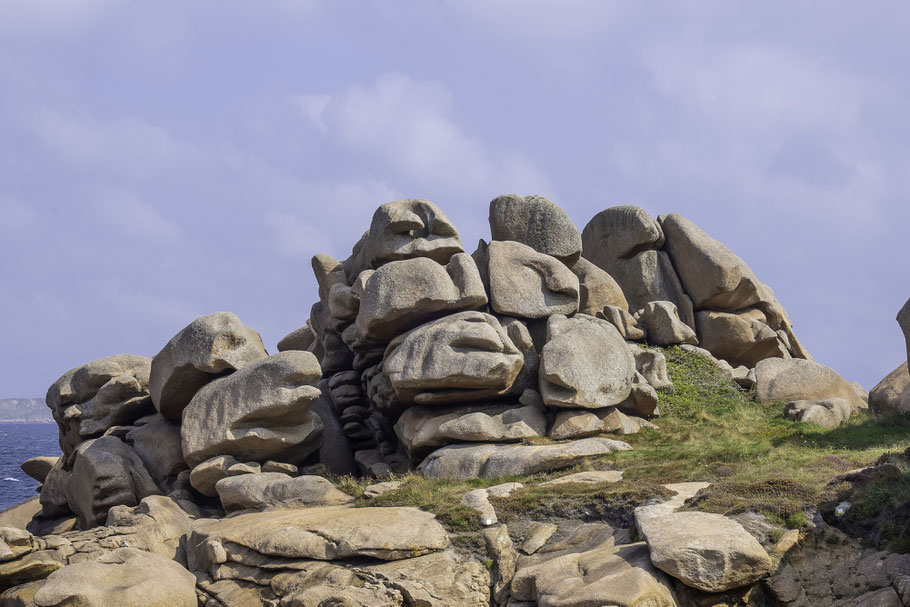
<point x="216" y="474"/>
<point x="536" y="222"/>
<point x="258" y="413"/>
<point x="788" y="380"/>
<point x="584" y="364"/>
<point x="892" y="395"/>
<point x="706" y="551"/>
<point x="203" y="350"/>
<point x="525" y="283"/>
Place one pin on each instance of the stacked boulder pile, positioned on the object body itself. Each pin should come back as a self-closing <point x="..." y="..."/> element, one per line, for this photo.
<point x="528" y="355"/>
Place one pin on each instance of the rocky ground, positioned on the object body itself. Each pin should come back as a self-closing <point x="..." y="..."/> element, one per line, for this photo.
<point x="616" y="416"/>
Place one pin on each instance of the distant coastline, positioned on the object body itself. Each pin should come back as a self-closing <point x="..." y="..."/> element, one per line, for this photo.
<point x="24" y="410"/>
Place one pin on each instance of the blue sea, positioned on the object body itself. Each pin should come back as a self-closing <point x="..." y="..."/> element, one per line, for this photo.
<point x="19" y="442"/>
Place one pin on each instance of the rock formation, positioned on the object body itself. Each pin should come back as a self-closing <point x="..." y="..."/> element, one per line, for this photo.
<point x="206" y="465"/>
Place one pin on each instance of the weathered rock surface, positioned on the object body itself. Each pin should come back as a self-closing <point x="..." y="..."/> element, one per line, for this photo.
<point x="710" y="273"/>
<point x="536" y="222"/>
<point x="106" y="473"/>
<point x="267" y="489"/>
<point x="576" y="423"/>
<point x="258" y="413"/>
<point x="458" y="358"/>
<point x="706" y="551"/>
<point x="660" y="320"/>
<point x="584" y="364"/>
<point x="538" y="534"/>
<point x="38" y="467"/>
<point x="125" y="577"/>
<point x="422" y="429"/>
<point x="206" y="474"/>
<point x="204" y="349"/>
<point x="741" y="338"/>
<point x="91" y="398"/>
<point x="652" y="364"/>
<point x="892" y="395"/>
<point x="158" y="446"/>
<point x="787" y="380"/>
<point x="903" y="319"/>
<point x="20" y="515"/>
<point x="298" y="339"/>
<point x="828" y="413"/>
<point x="526" y="284"/>
<point x="402" y="294"/>
<point x="591" y="569"/>
<point x="404" y="229"/>
<point x="624" y="241"/>
<point x="461" y="462"/>
<point x="596" y="289"/>
<point x="499" y="546"/>
<point x="624" y="322"/>
<point x="318" y="533"/>
<point x="155" y="526"/>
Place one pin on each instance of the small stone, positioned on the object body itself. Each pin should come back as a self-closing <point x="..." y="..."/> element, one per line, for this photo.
<point x="590" y="477"/>
<point x="377" y="489"/>
<point x="538" y="534"/>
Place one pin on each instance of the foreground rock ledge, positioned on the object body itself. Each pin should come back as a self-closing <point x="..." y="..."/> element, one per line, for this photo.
<point x="705" y="551"/>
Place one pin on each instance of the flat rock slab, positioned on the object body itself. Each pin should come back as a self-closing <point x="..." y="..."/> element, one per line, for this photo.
<point x="683" y="491"/>
<point x="125" y="577"/>
<point x="591" y="477"/>
<point x="268" y="489"/>
<point x="320" y="533"/>
<point x="462" y="462"/>
<point x="706" y="551"/>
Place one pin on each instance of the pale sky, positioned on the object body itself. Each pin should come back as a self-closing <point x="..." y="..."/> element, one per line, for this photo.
<point x="163" y="160"/>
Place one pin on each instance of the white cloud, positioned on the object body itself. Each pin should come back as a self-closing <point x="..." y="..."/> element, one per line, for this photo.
<point x="134" y="219"/>
<point x="50" y="18"/>
<point x="408" y="127"/>
<point x="128" y="148"/>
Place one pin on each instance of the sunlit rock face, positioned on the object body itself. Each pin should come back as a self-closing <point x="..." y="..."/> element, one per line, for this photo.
<point x="404" y="229"/>
<point x="460" y="357"/>
<point x="417" y="352"/>
<point x="88" y="400"/>
<point x="256" y="414"/>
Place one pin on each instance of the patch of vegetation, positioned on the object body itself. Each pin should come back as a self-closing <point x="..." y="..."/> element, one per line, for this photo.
<point x="440" y="497"/>
<point x="879" y="503"/>
<point x="610" y="503"/>
<point x="711" y="430"/>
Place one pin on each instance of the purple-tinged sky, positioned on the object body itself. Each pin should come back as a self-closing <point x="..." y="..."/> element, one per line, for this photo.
<point x="164" y="160"/>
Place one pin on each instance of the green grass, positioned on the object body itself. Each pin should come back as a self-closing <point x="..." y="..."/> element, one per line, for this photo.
<point x="711" y="430"/>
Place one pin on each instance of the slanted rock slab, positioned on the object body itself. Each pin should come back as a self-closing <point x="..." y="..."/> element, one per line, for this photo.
<point x="461" y="462"/>
<point x="706" y="551"/>
<point x="258" y="491"/>
<point x="201" y="351"/>
<point x="256" y="414"/>
<point x="319" y="533"/>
